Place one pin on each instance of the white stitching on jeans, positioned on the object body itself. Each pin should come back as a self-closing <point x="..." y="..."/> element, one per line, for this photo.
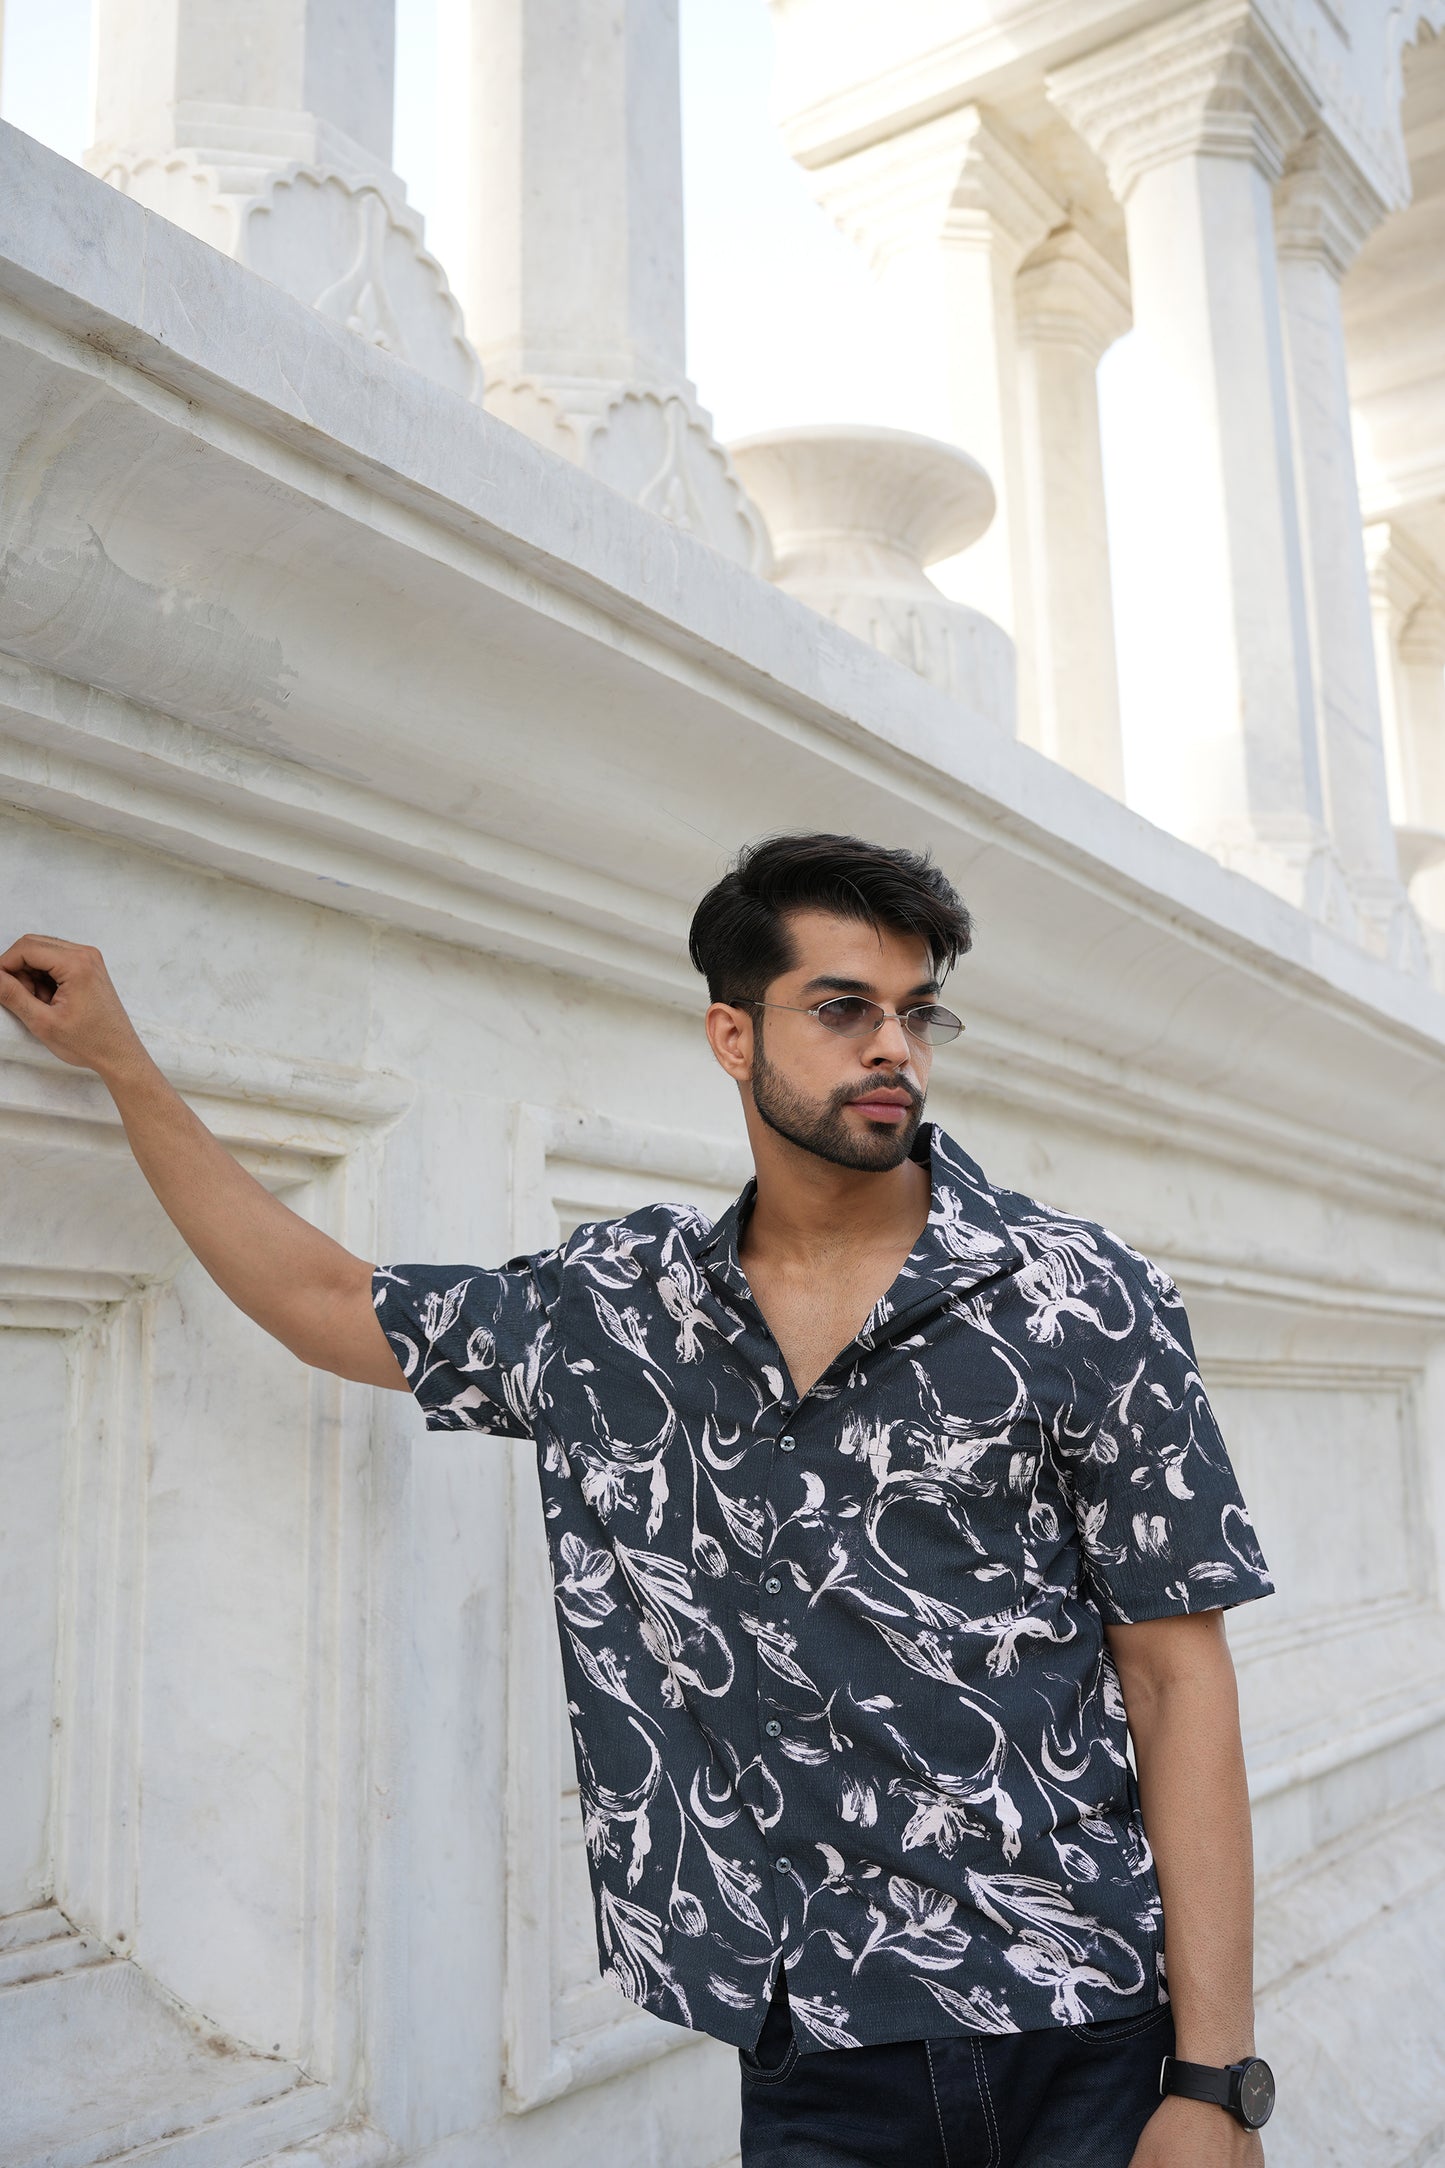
<point x="938" y="2112"/>
<point x="754" y="2071"/>
<point x="995" y="2151"/>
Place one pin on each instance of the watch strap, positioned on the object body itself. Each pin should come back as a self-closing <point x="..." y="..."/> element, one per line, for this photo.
<point x="1196" y="2081"/>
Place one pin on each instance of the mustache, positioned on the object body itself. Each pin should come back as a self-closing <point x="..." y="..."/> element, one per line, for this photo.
<point x="850" y="1093"/>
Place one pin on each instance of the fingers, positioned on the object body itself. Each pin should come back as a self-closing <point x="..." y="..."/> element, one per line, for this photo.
<point x="43" y="953"/>
<point x="61" y="991"/>
<point x="21" y="999"/>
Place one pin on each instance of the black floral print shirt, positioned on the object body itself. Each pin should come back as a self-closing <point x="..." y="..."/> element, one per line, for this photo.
<point x="836" y="1666"/>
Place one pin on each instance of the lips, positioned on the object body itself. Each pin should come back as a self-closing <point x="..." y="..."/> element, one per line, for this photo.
<point x="883" y="1106"/>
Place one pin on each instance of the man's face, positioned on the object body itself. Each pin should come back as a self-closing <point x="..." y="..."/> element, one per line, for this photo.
<point x="856" y="1102"/>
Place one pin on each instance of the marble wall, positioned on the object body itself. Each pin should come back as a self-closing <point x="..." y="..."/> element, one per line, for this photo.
<point x="384" y="752"/>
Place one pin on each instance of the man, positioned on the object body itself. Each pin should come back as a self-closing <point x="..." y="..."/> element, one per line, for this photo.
<point x="874" y="1510"/>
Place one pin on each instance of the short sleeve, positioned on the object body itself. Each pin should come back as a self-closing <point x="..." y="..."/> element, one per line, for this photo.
<point x="1162" y="1524"/>
<point x="471" y="1343"/>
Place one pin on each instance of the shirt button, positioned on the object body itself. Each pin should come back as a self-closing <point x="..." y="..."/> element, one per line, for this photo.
<point x="785" y="1445"/>
<point x="784" y="1865"/>
<point x="772" y="1584"/>
<point x="772" y="1727"/>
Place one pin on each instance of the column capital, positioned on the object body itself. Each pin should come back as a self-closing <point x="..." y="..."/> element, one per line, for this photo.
<point x="959" y="177"/>
<point x="1213" y="81"/>
<point x="1069" y="294"/>
<point x="1405" y="580"/>
<point x="1324" y="207"/>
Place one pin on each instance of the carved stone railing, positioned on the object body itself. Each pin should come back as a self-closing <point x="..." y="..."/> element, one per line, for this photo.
<point x="856" y="515"/>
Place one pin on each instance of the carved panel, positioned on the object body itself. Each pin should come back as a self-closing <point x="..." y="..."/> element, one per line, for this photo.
<point x="180" y="1717"/>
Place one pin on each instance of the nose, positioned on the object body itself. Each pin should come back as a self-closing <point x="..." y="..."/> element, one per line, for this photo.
<point x="890" y="1046"/>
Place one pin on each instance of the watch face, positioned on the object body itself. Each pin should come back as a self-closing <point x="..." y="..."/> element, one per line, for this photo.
<point x="1256" y="2093"/>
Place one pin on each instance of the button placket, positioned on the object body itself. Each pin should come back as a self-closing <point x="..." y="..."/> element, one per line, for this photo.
<point x="772" y="1585"/>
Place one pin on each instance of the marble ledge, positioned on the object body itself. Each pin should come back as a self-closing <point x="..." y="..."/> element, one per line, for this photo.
<point x="160" y="312"/>
<point x="284" y="1109"/>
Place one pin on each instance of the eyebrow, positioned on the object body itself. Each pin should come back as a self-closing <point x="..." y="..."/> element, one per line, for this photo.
<point x="864" y="986"/>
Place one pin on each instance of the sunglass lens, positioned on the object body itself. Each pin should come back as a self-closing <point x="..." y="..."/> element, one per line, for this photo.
<point x="934" y="1025"/>
<point x="849" y="1015"/>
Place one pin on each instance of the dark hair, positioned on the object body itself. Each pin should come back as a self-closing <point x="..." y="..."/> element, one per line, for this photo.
<point x="739" y="938"/>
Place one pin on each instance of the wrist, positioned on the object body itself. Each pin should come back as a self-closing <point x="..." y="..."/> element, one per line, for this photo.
<point x="1218" y="2031"/>
<point x="124" y="1068"/>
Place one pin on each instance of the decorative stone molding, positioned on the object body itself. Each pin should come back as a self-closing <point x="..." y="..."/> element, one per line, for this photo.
<point x="1324" y="206"/>
<point x="1406" y="585"/>
<point x="338" y="237"/>
<point x="1069" y="294"/>
<point x="266" y="130"/>
<point x="958" y="177"/>
<point x="1292" y="855"/>
<point x="656" y="446"/>
<point x="1213" y="81"/>
<point x="855" y="515"/>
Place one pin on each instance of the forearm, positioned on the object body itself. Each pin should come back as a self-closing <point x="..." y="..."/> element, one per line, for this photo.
<point x="292" y="1279"/>
<point x="1195" y="1801"/>
<point x="298" y="1284"/>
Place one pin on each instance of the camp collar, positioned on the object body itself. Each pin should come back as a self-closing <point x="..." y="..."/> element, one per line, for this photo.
<point x="964" y="1242"/>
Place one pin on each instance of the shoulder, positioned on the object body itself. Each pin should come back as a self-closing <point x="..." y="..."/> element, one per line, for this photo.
<point x="1038" y="1228"/>
<point x="643" y="1242"/>
<point x="1078" y="1273"/>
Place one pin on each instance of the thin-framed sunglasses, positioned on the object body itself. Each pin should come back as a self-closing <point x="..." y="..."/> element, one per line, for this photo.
<point x="850" y="1016"/>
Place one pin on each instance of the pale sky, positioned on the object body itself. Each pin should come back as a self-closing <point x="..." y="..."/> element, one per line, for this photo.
<point x="781" y="326"/>
<point x="783" y="322"/>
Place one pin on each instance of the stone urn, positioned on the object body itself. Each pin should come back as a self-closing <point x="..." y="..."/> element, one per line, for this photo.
<point x="855" y="515"/>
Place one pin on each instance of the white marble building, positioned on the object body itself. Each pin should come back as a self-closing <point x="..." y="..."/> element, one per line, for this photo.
<point x="384" y="744"/>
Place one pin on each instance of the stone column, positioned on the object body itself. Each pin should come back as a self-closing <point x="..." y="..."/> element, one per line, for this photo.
<point x="1324" y="210"/>
<point x="947" y="211"/>
<point x="566" y="144"/>
<point x="1071" y="305"/>
<point x="264" y="127"/>
<point x="1407" y="596"/>
<point x="1194" y="118"/>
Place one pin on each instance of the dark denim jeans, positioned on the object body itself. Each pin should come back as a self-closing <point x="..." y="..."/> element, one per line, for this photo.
<point x="1076" y="2096"/>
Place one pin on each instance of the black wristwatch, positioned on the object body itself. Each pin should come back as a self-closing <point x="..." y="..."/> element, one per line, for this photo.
<point x="1245" y="2089"/>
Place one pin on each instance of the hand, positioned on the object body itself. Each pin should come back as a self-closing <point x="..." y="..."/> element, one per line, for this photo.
<point x="61" y="992"/>
<point x="1195" y="2134"/>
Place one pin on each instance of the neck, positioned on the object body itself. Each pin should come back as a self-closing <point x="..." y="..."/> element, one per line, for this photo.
<point x="806" y="1207"/>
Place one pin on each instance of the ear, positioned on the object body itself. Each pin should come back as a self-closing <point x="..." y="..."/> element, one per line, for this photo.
<point x="730" y="1035"/>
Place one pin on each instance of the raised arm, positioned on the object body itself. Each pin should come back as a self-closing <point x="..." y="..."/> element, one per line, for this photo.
<point x="299" y="1285"/>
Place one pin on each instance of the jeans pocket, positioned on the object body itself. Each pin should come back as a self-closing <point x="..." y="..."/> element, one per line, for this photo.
<point x="758" y="2073"/>
<point x="1102" y="2032"/>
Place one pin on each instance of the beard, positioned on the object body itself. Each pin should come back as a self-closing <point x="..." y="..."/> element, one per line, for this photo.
<point x="821" y="1130"/>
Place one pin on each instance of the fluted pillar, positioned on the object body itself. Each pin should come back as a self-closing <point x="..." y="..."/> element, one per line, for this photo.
<point x="946" y="212"/>
<point x="1071" y="305"/>
<point x="565" y="146"/>
<point x="1324" y="211"/>
<point x="1194" y="119"/>
<point x="264" y="127"/>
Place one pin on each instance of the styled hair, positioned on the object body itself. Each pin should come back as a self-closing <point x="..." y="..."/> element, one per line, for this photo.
<point x="739" y="938"/>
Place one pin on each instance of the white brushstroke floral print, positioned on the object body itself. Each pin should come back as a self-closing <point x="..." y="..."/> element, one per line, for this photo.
<point x="836" y="1665"/>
